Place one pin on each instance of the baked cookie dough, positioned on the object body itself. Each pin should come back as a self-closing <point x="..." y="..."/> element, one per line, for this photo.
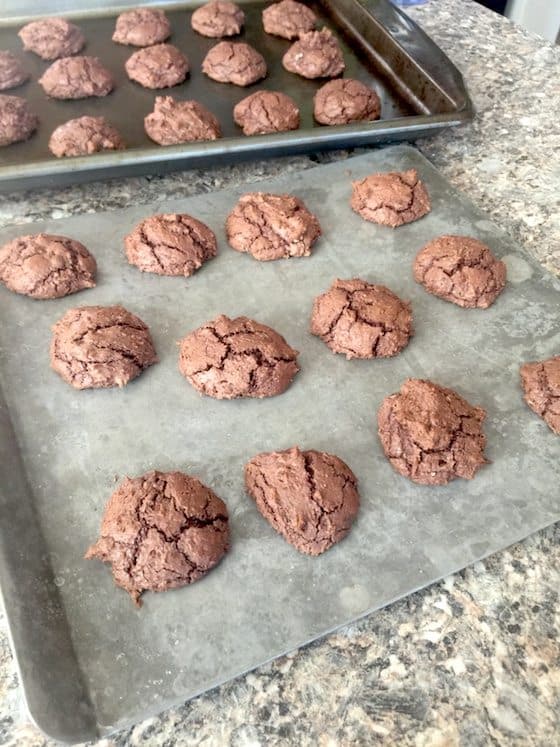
<point x="44" y="266"/>
<point x="52" y="38"/>
<point x="12" y="72"/>
<point x="17" y="121"/>
<point x="316" y="54"/>
<point x="391" y="199"/>
<point x="288" y="19"/>
<point x="77" y="78"/>
<point x="272" y="227"/>
<point x="362" y="320"/>
<point x="309" y="497"/>
<point x="264" y="112"/>
<point x="142" y="27"/>
<point x="541" y="385"/>
<point x="218" y="18"/>
<point x="161" y="531"/>
<point x="234" y="62"/>
<point x="100" y="346"/>
<point x="461" y="270"/>
<point x="159" y="66"/>
<point x="170" y="244"/>
<point x="230" y="358"/>
<point x="345" y="100"/>
<point x="84" y="136"/>
<point x="173" y="122"/>
<point x="430" y="434"/>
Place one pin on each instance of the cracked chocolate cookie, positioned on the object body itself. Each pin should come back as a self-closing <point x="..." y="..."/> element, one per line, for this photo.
<point x="141" y="27"/>
<point x="316" y="54"/>
<point x="170" y="244"/>
<point x="12" y="71"/>
<point x="17" y="121"/>
<point x="541" y="386"/>
<point x="230" y="358"/>
<point x="361" y="320"/>
<point x="309" y="497"/>
<point x="218" y="18"/>
<point x="100" y="346"/>
<point x="161" y="531"/>
<point x="173" y="122"/>
<point x="461" y="270"/>
<point x="265" y="112"/>
<point x="44" y="266"/>
<point x="345" y="100"/>
<point x="159" y="66"/>
<point x="76" y="78"/>
<point x="391" y="199"/>
<point x="52" y="38"/>
<point x="272" y="227"/>
<point x="84" y="136"/>
<point x="430" y="434"/>
<point x="234" y="62"/>
<point x="288" y="19"/>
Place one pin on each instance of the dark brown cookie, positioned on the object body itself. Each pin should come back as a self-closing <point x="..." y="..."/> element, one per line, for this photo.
<point x="160" y="66"/>
<point x="76" y="78"/>
<point x="288" y="19"/>
<point x="161" y="531"/>
<point x="391" y="199"/>
<point x="265" y="112"/>
<point x="430" y="434"/>
<point x="17" y="121"/>
<point x="51" y="38"/>
<point x="170" y="244"/>
<point x="346" y="100"/>
<point x="272" y="227"/>
<point x="361" y="320"/>
<point x="541" y="385"/>
<point x="309" y="497"/>
<point x="46" y="266"/>
<point x="234" y="62"/>
<point x="83" y="136"/>
<point x="142" y="27"/>
<point x="12" y="71"/>
<point x="461" y="270"/>
<point x="218" y="18"/>
<point x="230" y="358"/>
<point x="173" y="122"/>
<point x="316" y="54"/>
<point x="100" y="346"/>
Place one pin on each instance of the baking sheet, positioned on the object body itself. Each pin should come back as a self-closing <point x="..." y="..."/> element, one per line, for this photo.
<point x="105" y="663"/>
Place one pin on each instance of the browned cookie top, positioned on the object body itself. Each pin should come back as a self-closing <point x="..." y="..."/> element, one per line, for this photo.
<point x="234" y="62"/>
<point x="46" y="266"/>
<point x="174" y="122"/>
<point x="142" y="27"/>
<point x="83" y="136"/>
<point x="272" y="226"/>
<point x="541" y="385"/>
<point x="362" y="320"/>
<point x="266" y="111"/>
<point x="230" y="358"/>
<point x="430" y="434"/>
<point x="461" y="270"/>
<point x="346" y="100"/>
<point x="17" y="121"/>
<point x="161" y="531"/>
<point x="309" y="497"/>
<point x="391" y="199"/>
<point x="12" y="71"/>
<point x="288" y="19"/>
<point x="77" y="78"/>
<point x="217" y="19"/>
<point x="159" y="66"/>
<point x="170" y="244"/>
<point x="315" y="55"/>
<point x="52" y="38"/>
<point x="100" y="346"/>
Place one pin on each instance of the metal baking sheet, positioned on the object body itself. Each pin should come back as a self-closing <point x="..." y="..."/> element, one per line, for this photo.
<point x="91" y="662"/>
<point x="421" y="92"/>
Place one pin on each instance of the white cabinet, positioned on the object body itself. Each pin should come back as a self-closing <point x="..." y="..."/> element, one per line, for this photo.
<point x="540" y="16"/>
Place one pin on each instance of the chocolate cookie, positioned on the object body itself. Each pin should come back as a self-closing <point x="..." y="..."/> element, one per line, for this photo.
<point x="430" y="434"/>
<point x="345" y="100"/>
<point x="230" y="358"/>
<point x="170" y="244"/>
<point x="76" y="78"/>
<point x="315" y="55"/>
<point x="217" y="19"/>
<point x="100" y="346"/>
<point x="173" y="122"/>
<point x="46" y="266"/>
<point x="161" y="531"/>
<point x="12" y="72"/>
<point x="391" y="199"/>
<point x="272" y="226"/>
<point x="160" y="66"/>
<point x="309" y="497"/>
<point x="52" y="38"/>
<point x="237" y="63"/>
<point x="541" y="384"/>
<point x="17" y="121"/>
<point x="461" y="270"/>
<point x="288" y="19"/>
<point x="142" y="27"/>
<point x="361" y="320"/>
<point x="266" y="111"/>
<point x="83" y="136"/>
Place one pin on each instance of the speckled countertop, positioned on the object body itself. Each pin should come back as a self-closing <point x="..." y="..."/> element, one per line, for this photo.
<point x="475" y="659"/>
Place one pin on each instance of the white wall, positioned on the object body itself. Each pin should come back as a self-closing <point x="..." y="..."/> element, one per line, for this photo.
<point x="540" y="16"/>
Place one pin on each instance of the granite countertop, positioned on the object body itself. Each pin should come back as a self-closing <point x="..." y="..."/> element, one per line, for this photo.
<point x="475" y="659"/>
